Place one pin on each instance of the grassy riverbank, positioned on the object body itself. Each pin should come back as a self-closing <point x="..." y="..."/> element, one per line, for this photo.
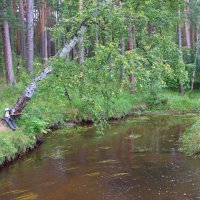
<point x="15" y="143"/>
<point x="190" y="140"/>
<point x="48" y="109"/>
<point x="175" y="101"/>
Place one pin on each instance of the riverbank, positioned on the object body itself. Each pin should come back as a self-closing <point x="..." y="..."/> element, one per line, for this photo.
<point x="40" y="116"/>
<point x="16" y="144"/>
<point x="190" y="140"/>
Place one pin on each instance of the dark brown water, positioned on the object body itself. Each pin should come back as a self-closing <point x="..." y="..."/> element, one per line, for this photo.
<point x="135" y="159"/>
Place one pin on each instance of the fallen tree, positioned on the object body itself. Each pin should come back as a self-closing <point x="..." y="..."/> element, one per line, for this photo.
<point x="30" y="90"/>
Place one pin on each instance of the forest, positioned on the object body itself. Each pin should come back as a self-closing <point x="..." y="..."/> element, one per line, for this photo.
<point x="90" y="61"/>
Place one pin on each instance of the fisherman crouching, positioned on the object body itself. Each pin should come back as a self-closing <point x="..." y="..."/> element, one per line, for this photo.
<point x="10" y="122"/>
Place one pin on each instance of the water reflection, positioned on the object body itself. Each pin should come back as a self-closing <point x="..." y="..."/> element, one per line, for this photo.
<point x="135" y="159"/>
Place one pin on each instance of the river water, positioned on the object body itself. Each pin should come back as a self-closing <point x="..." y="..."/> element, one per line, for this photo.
<point x="135" y="159"/>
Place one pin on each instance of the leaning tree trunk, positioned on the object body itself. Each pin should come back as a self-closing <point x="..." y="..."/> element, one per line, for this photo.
<point x="31" y="88"/>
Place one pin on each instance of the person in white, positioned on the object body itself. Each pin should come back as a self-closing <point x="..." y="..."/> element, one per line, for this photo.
<point x="9" y="120"/>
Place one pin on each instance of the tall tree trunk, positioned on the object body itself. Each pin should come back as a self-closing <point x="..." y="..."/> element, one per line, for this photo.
<point x="187" y="26"/>
<point x="30" y="35"/>
<point x="193" y="36"/>
<point x="43" y="31"/>
<point x="81" y="39"/>
<point x="10" y="79"/>
<point x="49" y="24"/>
<point x="196" y="58"/>
<point x="130" y="38"/>
<point x="97" y="27"/>
<point x="18" y="46"/>
<point x="122" y="47"/>
<point x="130" y="48"/>
<point x="49" y="46"/>
<point x="180" y="49"/>
<point x="12" y="38"/>
<point x="21" y="16"/>
<point x="37" y="36"/>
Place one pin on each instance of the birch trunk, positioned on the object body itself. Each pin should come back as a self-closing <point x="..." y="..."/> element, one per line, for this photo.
<point x="31" y="88"/>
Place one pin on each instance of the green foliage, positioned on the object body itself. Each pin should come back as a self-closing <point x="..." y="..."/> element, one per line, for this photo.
<point x="33" y="124"/>
<point x="155" y="100"/>
<point x="190" y="101"/>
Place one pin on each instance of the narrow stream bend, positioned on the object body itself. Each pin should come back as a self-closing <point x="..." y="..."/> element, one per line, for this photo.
<point x="135" y="159"/>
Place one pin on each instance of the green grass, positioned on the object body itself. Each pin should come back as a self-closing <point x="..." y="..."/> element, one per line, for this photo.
<point x="190" y="140"/>
<point x="175" y="101"/>
<point x="12" y="143"/>
<point x="8" y="96"/>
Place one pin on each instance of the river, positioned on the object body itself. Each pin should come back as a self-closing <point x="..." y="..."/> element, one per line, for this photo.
<point x="136" y="158"/>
